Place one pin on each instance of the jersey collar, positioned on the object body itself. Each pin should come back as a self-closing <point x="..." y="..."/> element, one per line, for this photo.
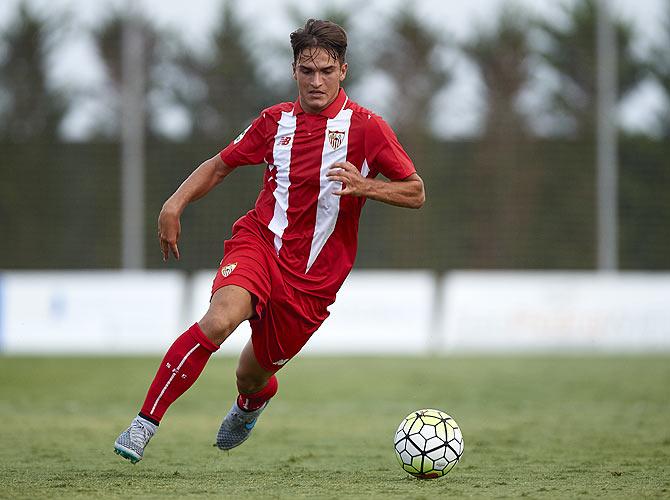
<point x="331" y="110"/>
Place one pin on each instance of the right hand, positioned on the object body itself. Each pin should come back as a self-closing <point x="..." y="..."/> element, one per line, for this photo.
<point x="169" y="229"/>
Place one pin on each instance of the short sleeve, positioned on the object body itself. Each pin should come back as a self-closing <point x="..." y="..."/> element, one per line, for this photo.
<point x="249" y="147"/>
<point x="384" y="152"/>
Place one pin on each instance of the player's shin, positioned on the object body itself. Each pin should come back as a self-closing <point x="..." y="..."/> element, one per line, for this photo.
<point x="181" y="366"/>
<point x="254" y="401"/>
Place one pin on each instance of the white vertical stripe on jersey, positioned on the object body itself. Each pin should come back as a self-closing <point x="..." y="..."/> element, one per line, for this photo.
<point x="282" y="162"/>
<point x="328" y="205"/>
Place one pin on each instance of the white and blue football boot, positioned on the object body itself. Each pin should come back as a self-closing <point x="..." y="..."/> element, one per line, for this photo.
<point x="236" y="426"/>
<point x="131" y="443"/>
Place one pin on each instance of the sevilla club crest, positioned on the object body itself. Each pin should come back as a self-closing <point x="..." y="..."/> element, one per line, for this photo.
<point x="335" y="138"/>
<point x="225" y="272"/>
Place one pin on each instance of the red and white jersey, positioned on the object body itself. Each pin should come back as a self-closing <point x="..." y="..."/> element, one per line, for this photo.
<point x="313" y="232"/>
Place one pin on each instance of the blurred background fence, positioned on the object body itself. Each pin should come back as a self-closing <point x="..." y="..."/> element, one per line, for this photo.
<point x="515" y="191"/>
<point x="61" y="206"/>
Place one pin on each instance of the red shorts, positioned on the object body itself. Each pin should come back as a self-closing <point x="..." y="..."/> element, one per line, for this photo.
<point x="285" y="318"/>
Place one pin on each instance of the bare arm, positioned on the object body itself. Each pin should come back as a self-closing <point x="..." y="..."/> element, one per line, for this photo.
<point x="408" y="193"/>
<point x="201" y="181"/>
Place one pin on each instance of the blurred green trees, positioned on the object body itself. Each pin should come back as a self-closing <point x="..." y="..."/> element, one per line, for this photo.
<point x="156" y="43"/>
<point x="409" y="55"/>
<point x="31" y="109"/>
<point x="227" y="88"/>
<point x="502" y="168"/>
<point x="570" y="50"/>
<point x="659" y="63"/>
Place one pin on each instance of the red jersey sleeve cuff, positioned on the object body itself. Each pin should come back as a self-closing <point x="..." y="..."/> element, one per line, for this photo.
<point x="227" y="158"/>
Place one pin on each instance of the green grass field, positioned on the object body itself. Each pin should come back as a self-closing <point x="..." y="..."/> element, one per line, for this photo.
<point x="533" y="427"/>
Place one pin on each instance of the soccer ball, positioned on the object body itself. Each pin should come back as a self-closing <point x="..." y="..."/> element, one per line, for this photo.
<point x="428" y="443"/>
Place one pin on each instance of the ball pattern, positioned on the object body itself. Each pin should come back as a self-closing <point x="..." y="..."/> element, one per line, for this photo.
<point x="428" y="443"/>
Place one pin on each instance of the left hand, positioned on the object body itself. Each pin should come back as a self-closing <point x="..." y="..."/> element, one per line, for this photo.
<point x="353" y="183"/>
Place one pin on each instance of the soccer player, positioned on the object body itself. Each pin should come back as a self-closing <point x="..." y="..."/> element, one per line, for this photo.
<point x="288" y="257"/>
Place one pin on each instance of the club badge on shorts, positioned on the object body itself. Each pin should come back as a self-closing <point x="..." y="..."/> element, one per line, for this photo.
<point x="226" y="270"/>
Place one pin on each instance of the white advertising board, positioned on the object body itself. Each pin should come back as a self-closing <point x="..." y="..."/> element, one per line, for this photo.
<point x="379" y="312"/>
<point x="545" y="311"/>
<point x="101" y="312"/>
<point x="375" y="312"/>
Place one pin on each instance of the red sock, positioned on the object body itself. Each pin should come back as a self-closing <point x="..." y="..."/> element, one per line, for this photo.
<point x="255" y="400"/>
<point x="181" y="366"/>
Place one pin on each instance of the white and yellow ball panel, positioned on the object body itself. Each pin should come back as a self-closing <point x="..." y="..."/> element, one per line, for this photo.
<point x="456" y="446"/>
<point x="433" y="443"/>
<point x="451" y="455"/>
<point x="418" y="440"/>
<point x="428" y="443"/>
<point x="429" y="431"/>
<point x="410" y="469"/>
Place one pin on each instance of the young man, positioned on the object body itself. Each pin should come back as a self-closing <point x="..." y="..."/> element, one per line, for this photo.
<point x="288" y="257"/>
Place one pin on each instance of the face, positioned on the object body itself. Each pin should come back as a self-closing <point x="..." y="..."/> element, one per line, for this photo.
<point x="319" y="77"/>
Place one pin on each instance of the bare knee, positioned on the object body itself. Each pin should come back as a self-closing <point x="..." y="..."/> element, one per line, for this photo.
<point x="217" y="325"/>
<point x="230" y="305"/>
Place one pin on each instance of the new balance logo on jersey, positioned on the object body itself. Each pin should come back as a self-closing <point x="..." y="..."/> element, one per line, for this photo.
<point x="335" y="138"/>
<point x="227" y="270"/>
<point x="281" y="362"/>
<point x="284" y="141"/>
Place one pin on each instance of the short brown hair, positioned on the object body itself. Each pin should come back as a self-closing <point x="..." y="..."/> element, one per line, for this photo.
<point x="320" y="34"/>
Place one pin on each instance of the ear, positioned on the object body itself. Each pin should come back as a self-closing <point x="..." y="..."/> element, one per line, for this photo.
<point x="343" y="71"/>
<point x="295" y="77"/>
